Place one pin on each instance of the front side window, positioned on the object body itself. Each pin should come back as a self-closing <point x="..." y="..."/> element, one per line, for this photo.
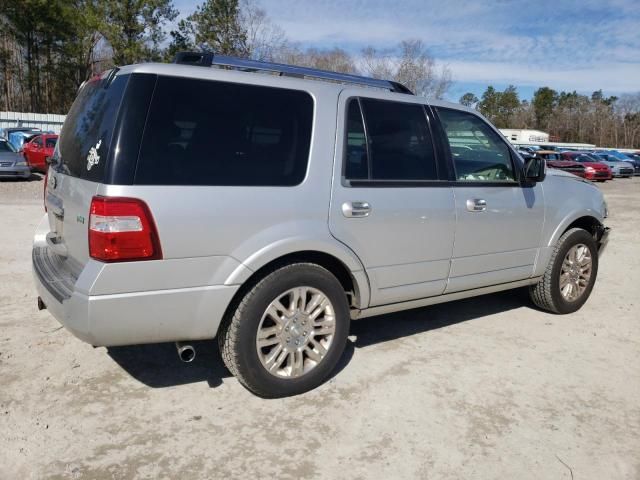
<point x="478" y="152"/>
<point x="388" y="140"/>
<point x="202" y="132"/>
<point x="37" y="142"/>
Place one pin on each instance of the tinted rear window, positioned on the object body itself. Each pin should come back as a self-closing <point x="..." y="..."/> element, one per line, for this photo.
<point x="203" y="132"/>
<point x="86" y="134"/>
<point x="399" y="141"/>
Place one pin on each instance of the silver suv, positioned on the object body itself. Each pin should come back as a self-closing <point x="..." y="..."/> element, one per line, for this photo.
<point x="214" y="198"/>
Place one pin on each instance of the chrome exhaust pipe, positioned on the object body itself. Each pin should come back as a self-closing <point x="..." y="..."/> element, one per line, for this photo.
<point x="186" y="352"/>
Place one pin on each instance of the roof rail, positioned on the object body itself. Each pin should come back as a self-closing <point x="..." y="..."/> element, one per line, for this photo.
<point x="208" y="59"/>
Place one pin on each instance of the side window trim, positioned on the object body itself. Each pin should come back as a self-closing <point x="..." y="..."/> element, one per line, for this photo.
<point x="451" y="164"/>
<point x="446" y="172"/>
<point x="365" y="130"/>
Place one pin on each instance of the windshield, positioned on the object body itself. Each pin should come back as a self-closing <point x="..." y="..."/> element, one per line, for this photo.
<point x="619" y="156"/>
<point x="585" y="158"/>
<point x="6" y="146"/>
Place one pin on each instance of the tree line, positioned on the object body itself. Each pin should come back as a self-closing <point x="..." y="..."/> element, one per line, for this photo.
<point x="49" y="47"/>
<point x="566" y="116"/>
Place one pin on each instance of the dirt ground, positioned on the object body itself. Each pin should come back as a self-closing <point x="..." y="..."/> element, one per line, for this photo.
<point x="481" y="388"/>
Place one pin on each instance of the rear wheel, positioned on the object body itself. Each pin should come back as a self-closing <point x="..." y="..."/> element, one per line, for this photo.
<point x="288" y="331"/>
<point x="570" y="275"/>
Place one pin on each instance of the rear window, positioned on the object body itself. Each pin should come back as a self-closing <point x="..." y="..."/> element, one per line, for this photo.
<point x="86" y="134"/>
<point x="201" y="132"/>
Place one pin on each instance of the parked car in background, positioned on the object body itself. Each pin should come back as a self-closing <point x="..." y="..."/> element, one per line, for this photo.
<point x="12" y="164"/>
<point x="634" y="157"/>
<point x="37" y="150"/>
<point x="16" y="136"/>
<point x="593" y="168"/>
<point x="554" y="160"/>
<point x="619" y="163"/>
<point x="527" y="149"/>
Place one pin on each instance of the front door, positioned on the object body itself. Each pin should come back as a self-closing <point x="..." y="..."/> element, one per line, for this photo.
<point x="499" y="221"/>
<point x="388" y="203"/>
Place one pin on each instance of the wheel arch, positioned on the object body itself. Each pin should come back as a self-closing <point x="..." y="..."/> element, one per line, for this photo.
<point x="354" y="282"/>
<point x="588" y="221"/>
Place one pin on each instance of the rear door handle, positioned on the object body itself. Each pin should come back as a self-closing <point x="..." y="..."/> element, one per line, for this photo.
<point x="476" y="205"/>
<point x="356" y="209"/>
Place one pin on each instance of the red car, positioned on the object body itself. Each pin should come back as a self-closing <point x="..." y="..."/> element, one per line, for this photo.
<point x="593" y="169"/>
<point x="555" y="160"/>
<point x="38" y="149"/>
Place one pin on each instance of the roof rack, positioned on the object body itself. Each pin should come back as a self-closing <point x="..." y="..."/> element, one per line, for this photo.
<point x="208" y="59"/>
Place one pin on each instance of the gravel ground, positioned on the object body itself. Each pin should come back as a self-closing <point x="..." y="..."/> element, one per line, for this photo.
<point x="481" y="388"/>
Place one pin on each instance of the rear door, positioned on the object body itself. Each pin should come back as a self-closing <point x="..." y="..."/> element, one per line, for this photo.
<point x="80" y="159"/>
<point x="389" y="204"/>
<point x="37" y="151"/>
<point x="499" y="221"/>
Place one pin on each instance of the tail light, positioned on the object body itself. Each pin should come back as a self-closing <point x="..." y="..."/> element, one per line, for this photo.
<point x="122" y="229"/>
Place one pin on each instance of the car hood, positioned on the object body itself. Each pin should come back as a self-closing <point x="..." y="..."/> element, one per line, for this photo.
<point x="617" y="164"/>
<point x="596" y="165"/>
<point x="563" y="163"/>
<point x="9" y="157"/>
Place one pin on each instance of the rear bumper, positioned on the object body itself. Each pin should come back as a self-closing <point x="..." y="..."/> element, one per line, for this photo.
<point x="138" y="317"/>
<point x="153" y="316"/>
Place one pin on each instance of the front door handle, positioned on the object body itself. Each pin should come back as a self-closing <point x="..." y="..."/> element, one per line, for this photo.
<point x="356" y="209"/>
<point x="476" y="205"/>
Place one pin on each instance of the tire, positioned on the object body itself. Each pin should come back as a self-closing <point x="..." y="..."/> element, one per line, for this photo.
<point x="238" y="333"/>
<point x="547" y="294"/>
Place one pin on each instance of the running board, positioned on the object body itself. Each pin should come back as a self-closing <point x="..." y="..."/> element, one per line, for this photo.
<point x="424" y="302"/>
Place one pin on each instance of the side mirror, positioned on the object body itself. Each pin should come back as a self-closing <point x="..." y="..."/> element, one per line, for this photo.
<point x="534" y="170"/>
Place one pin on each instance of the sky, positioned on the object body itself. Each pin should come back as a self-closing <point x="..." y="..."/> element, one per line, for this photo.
<point x="582" y="45"/>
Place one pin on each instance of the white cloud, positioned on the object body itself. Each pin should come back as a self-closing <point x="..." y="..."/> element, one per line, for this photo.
<point x="614" y="77"/>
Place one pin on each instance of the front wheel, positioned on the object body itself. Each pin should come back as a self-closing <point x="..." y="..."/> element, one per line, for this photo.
<point x="288" y="331"/>
<point x="570" y="275"/>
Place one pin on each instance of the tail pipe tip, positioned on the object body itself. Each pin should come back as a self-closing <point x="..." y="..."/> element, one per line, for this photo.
<point x="186" y="352"/>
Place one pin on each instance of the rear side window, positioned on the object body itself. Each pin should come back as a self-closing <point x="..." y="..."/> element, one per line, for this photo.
<point x="203" y="132"/>
<point x="400" y="144"/>
<point x="86" y="134"/>
<point x="51" y="142"/>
